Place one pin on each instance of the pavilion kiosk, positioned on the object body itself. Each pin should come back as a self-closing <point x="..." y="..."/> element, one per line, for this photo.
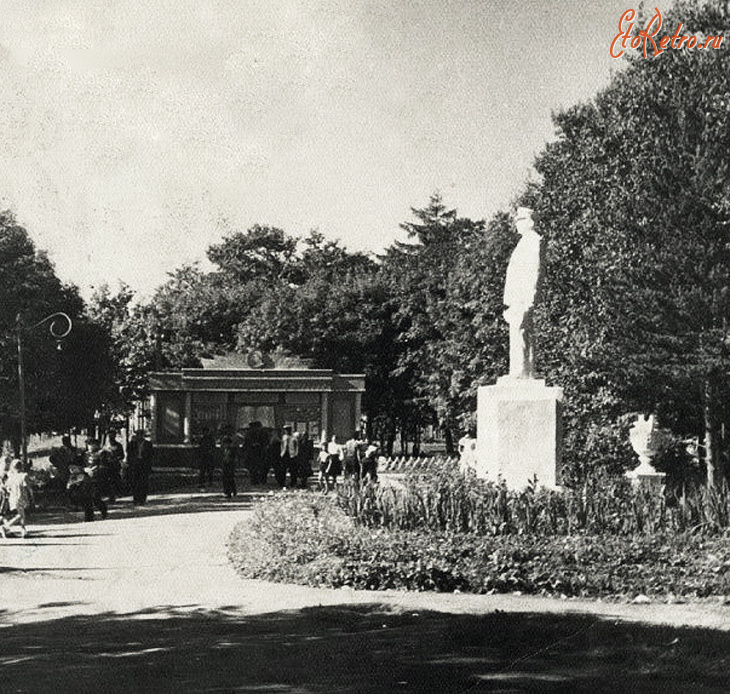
<point x="233" y="391"/>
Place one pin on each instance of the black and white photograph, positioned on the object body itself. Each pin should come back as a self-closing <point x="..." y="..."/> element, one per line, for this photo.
<point x="364" y="346"/>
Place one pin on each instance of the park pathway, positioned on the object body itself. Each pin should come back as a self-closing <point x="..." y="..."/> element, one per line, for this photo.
<point x="168" y="555"/>
<point x="146" y="601"/>
<point x="171" y="555"/>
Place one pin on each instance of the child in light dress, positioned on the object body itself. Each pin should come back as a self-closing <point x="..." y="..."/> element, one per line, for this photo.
<point x="19" y="497"/>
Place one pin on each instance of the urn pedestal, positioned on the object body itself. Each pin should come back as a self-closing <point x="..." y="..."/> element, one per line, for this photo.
<point x="642" y="438"/>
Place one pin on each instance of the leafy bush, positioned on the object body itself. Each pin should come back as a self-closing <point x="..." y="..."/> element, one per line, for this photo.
<point x="288" y="535"/>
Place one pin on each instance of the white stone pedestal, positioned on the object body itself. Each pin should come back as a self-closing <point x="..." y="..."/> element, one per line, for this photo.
<point x="519" y="432"/>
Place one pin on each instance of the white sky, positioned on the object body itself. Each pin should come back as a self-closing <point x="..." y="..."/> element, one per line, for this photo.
<point x="135" y="134"/>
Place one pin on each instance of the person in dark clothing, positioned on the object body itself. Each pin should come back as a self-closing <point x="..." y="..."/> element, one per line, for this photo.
<point x="100" y="467"/>
<point x="103" y="465"/>
<point x="84" y="488"/>
<point x="113" y="458"/>
<point x="306" y="455"/>
<point x="273" y="454"/>
<point x="352" y="451"/>
<point x="370" y="463"/>
<point x="83" y="492"/>
<point x="229" y="455"/>
<point x="62" y="458"/>
<point x="255" y="454"/>
<point x="206" y="459"/>
<point x="139" y="467"/>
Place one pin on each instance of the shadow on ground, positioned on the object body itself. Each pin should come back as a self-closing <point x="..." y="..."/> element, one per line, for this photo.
<point x="358" y="649"/>
<point x="60" y="511"/>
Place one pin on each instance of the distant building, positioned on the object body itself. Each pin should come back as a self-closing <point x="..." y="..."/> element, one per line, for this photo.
<point x="233" y="391"/>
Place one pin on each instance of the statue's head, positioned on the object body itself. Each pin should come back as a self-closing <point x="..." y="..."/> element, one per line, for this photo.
<point x="523" y="220"/>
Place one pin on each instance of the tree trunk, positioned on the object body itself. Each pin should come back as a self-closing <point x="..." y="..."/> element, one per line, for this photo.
<point x="416" y="441"/>
<point x="390" y="442"/>
<point x="449" y="439"/>
<point x="711" y="453"/>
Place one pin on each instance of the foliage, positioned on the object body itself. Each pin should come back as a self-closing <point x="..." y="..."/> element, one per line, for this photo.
<point x="473" y="351"/>
<point x="262" y="252"/>
<point x="297" y="537"/>
<point x="419" y="276"/>
<point x="633" y="201"/>
<point x="439" y="498"/>
<point x="62" y="386"/>
<point x="114" y="315"/>
<point x="314" y="532"/>
<point x="195" y="313"/>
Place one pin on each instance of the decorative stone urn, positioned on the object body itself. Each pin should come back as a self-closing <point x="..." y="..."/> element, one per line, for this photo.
<point x="642" y="438"/>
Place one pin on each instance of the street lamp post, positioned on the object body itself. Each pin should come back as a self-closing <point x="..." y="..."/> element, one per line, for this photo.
<point x="59" y="325"/>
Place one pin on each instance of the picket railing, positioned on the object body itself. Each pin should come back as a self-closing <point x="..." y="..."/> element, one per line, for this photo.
<point x="404" y="463"/>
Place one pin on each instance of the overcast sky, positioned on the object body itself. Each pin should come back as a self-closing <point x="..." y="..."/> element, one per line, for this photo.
<point x="135" y="134"/>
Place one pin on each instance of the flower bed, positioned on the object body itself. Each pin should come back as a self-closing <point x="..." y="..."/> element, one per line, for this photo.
<point x="439" y="498"/>
<point x="306" y="538"/>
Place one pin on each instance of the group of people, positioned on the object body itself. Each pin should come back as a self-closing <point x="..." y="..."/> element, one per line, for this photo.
<point x="91" y="478"/>
<point x="96" y="476"/>
<point x="290" y="454"/>
<point x="357" y="458"/>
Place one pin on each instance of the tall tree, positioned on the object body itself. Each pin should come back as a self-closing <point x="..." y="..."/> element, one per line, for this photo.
<point x="634" y="203"/>
<point x="421" y="275"/>
<point x="261" y="253"/>
<point x="61" y="386"/>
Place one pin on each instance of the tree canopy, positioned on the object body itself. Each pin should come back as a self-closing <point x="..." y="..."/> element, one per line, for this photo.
<point x="633" y="202"/>
<point x="63" y="386"/>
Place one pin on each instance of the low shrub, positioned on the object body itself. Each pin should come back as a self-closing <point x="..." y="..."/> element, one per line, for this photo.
<point x="309" y="539"/>
<point x="291" y="535"/>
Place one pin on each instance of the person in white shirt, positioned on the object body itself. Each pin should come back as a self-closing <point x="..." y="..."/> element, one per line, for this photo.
<point x="288" y="458"/>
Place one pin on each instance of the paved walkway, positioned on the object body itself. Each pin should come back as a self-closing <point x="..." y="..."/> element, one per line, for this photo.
<point x="171" y="555"/>
<point x="146" y="601"/>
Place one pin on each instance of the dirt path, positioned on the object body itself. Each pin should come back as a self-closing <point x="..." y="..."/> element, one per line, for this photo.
<point x="146" y="601"/>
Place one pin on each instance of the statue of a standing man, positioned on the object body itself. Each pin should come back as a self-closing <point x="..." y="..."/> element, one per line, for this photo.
<point x="524" y="277"/>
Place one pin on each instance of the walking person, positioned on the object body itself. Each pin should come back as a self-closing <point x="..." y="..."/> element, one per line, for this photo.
<point x="19" y="497"/>
<point x="90" y="483"/>
<point x="370" y="463"/>
<point x="100" y="467"/>
<point x="229" y="455"/>
<point x="289" y="454"/>
<point x="352" y="451"/>
<point x="206" y="459"/>
<point x="113" y="458"/>
<point x="4" y="503"/>
<point x="62" y="458"/>
<point x="139" y="467"/>
<point x="330" y="459"/>
<point x="304" y="464"/>
<point x="255" y="453"/>
<point x="273" y="455"/>
<point x="288" y="450"/>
